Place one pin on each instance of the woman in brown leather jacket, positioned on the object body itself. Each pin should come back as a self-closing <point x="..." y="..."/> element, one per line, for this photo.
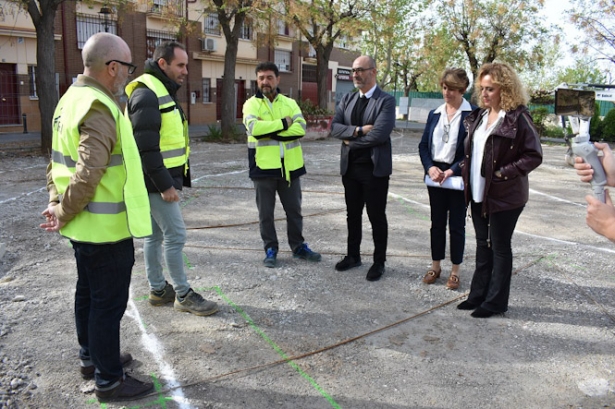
<point x="502" y="147"/>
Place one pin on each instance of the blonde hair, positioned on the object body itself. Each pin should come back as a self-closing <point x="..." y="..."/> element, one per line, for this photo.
<point x="512" y="91"/>
<point x="455" y="79"/>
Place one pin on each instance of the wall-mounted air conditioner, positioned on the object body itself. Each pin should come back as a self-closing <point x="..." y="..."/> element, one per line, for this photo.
<point x="209" y="44"/>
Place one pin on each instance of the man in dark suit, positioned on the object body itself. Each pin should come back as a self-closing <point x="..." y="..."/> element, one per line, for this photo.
<point x="364" y="121"/>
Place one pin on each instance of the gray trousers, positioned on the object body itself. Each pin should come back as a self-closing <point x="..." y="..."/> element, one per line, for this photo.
<point x="290" y="197"/>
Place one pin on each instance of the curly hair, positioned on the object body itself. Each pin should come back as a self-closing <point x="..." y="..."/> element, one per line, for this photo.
<point x="512" y="91"/>
<point x="455" y="78"/>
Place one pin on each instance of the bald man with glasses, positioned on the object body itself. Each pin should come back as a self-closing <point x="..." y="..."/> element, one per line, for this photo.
<point x="363" y="122"/>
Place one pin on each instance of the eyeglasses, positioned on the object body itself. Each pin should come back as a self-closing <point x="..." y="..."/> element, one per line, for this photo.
<point x="360" y="70"/>
<point x="131" y="67"/>
<point x="447" y="131"/>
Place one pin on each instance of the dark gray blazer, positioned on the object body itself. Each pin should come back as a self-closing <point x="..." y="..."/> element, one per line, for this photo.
<point x="380" y="112"/>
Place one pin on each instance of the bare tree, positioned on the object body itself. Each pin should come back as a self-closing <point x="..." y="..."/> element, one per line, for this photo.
<point x="597" y="21"/>
<point x="322" y="22"/>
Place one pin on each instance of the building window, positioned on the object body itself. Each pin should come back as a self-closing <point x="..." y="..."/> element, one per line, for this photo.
<point x="88" y="25"/>
<point x="155" y="37"/>
<point x="158" y="5"/>
<point x="32" y="78"/>
<point x="311" y="51"/>
<point x="283" y="28"/>
<point x="206" y="90"/>
<point x="309" y="73"/>
<point x="343" y="42"/>
<point x="246" y="30"/>
<point x="175" y="7"/>
<point x="253" y="87"/>
<point x="282" y="60"/>
<point x="211" y="25"/>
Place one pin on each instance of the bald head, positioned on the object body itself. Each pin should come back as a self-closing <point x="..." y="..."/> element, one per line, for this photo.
<point x="102" y="47"/>
<point x="102" y="55"/>
<point x="364" y="73"/>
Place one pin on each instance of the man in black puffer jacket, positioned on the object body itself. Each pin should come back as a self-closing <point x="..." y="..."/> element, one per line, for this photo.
<point x="161" y="132"/>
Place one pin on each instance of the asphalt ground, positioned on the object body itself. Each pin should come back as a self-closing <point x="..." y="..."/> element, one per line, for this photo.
<point x="305" y="336"/>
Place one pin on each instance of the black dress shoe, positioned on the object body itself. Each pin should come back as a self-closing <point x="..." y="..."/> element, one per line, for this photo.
<point x="375" y="272"/>
<point x="466" y="305"/>
<point x="480" y="312"/>
<point x="347" y="263"/>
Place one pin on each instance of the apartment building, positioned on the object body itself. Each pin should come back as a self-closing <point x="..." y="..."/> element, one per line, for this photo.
<point x="143" y="24"/>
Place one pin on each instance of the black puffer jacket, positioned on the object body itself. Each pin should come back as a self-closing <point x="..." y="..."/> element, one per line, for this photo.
<point x="145" y="118"/>
<point x="514" y="149"/>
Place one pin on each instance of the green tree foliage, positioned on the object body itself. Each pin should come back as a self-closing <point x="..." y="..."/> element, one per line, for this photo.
<point x="507" y="30"/>
<point x="584" y="71"/>
<point x="608" y="126"/>
<point x="539" y="116"/>
<point x="394" y="37"/>
<point x="596" y="125"/>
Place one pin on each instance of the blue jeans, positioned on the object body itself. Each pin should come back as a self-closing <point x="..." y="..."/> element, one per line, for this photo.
<point x="490" y="286"/>
<point x="167" y="227"/>
<point x="290" y="197"/>
<point x="101" y="297"/>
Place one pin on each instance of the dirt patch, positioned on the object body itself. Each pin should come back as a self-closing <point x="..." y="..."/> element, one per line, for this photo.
<point x="304" y="336"/>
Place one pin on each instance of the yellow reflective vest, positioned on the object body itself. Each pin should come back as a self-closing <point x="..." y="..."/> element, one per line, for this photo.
<point x="262" y="119"/>
<point x="174" y="138"/>
<point x="120" y="206"/>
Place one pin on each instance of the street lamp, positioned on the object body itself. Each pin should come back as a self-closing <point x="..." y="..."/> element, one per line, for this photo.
<point x="106" y="11"/>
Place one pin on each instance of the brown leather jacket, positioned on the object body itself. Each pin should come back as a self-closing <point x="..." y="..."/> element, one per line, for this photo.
<point x="514" y="149"/>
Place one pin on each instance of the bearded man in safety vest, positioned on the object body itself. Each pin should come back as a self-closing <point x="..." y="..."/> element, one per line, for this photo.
<point x="161" y="131"/>
<point x="275" y="124"/>
<point x="97" y="199"/>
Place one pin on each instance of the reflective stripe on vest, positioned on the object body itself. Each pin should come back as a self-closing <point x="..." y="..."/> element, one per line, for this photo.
<point x="269" y="152"/>
<point x="174" y="141"/>
<point x="119" y="208"/>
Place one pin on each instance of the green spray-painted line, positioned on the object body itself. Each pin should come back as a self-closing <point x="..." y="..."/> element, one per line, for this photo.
<point x="277" y="348"/>
<point x="186" y="261"/>
<point x="185" y="203"/>
<point x="411" y="210"/>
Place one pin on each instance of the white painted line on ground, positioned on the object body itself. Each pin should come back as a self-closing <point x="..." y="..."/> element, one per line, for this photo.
<point x="21" y="195"/>
<point x="20" y="169"/>
<point x="153" y="346"/>
<point x="405" y="199"/>
<point x="536" y="192"/>
<point x="571" y="243"/>
<point x="236" y="172"/>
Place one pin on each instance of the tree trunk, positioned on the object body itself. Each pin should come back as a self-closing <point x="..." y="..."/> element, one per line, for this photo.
<point x="228" y="116"/>
<point x="46" y="72"/>
<point x="323" y="54"/>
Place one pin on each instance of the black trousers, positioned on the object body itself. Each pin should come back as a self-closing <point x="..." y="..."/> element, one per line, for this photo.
<point x="490" y="286"/>
<point x="447" y="206"/>
<point x="363" y="189"/>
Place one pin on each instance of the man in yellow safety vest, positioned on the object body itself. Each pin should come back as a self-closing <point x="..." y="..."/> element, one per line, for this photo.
<point x="275" y="124"/>
<point x="98" y="200"/>
<point x="161" y="131"/>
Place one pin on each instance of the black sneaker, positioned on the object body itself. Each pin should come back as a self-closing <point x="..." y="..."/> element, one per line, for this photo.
<point x="87" y="372"/>
<point x="194" y="303"/>
<point x="305" y="253"/>
<point x="162" y="297"/>
<point x="127" y="388"/>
